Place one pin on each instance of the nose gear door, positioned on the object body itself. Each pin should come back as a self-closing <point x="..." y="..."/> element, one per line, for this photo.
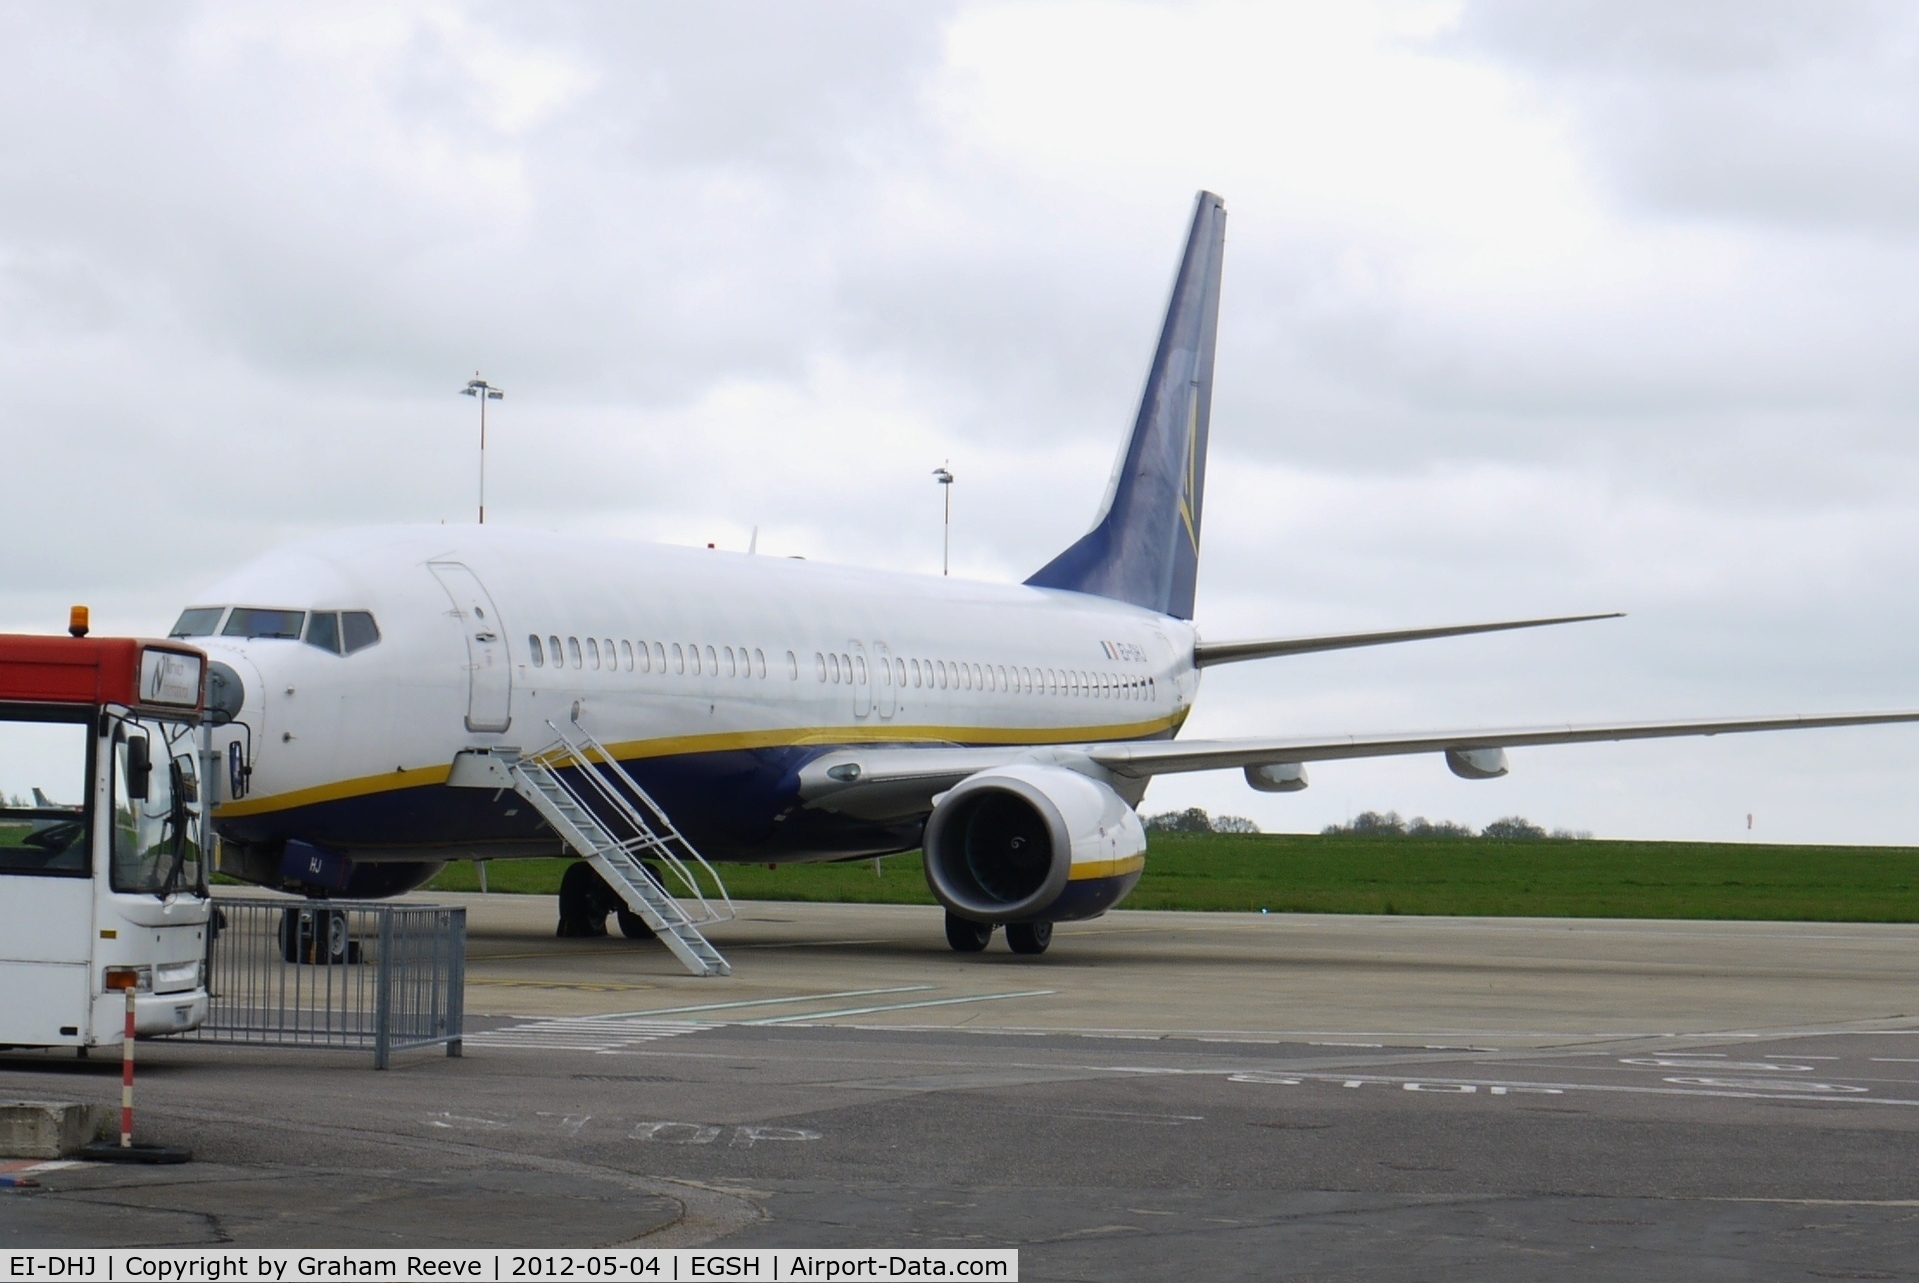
<point x="489" y="700"/>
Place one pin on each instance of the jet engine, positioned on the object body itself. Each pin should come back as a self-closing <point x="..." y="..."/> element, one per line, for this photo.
<point x="1031" y="843"/>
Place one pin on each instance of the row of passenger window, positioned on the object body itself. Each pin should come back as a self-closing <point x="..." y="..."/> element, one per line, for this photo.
<point x="728" y="661"/>
<point x="651" y="657"/>
<point x="339" y="632"/>
<point x="1018" y="679"/>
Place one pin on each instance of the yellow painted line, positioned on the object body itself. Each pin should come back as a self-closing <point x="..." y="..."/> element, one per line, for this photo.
<point x="399" y="778"/>
<point x="1084" y="869"/>
<point x="669" y="746"/>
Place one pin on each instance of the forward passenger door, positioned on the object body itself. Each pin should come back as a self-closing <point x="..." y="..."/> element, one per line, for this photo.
<point x="489" y="700"/>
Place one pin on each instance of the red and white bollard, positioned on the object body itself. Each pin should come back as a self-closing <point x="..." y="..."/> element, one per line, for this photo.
<point x="126" y="1078"/>
<point x="127" y="980"/>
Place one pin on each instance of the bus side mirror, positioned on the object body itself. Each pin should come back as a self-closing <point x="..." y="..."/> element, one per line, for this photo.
<point x="139" y="768"/>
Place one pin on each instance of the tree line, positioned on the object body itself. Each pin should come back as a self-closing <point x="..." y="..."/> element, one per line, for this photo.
<point x="1510" y="828"/>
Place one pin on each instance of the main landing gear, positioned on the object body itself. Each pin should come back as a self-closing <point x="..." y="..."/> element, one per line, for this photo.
<point x="968" y="936"/>
<point x="586" y="899"/>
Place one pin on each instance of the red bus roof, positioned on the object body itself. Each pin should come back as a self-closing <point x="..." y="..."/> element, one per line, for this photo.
<point x="104" y="670"/>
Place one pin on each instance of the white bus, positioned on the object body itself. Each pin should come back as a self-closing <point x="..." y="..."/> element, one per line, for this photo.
<point x="102" y="867"/>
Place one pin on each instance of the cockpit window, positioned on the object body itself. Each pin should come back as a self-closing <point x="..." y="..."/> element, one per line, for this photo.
<point x="252" y="621"/>
<point x="198" y="621"/>
<point x="357" y="630"/>
<point x="323" y="630"/>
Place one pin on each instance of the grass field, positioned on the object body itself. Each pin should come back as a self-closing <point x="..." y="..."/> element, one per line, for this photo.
<point x="1440" y="876"/>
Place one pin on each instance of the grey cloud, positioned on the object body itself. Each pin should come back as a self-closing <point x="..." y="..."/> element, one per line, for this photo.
<point x="736" y="268"/>
<point x="1784" y="113"/>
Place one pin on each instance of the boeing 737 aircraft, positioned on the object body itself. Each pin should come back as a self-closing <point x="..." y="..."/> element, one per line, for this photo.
<point x="776" y="709"/>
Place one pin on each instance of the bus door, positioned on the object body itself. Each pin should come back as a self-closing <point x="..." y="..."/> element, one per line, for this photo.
<point x="47" y="807"/>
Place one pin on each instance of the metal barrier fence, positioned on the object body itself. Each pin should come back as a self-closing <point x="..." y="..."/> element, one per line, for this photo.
<point x="335" y="973"/>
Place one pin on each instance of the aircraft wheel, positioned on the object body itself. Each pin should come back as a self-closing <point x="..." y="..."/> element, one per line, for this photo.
<point x="632" y="925"/>
<point x="1029" y="937"/>
<point x="966" y="935"/>
<point x="582" y="902"/>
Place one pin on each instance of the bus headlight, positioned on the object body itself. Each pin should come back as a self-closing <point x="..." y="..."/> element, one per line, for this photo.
<point x="120" y="979"/>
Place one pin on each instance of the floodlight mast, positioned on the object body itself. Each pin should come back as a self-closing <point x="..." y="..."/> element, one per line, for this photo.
<point x="944" y="476"/>
<point x="480" y="389"/>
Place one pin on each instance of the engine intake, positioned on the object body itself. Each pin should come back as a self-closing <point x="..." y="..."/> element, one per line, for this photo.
<point x="1003" y="844"/>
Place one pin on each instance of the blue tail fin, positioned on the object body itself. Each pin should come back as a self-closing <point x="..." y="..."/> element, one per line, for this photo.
<point x="1144" y="546"/>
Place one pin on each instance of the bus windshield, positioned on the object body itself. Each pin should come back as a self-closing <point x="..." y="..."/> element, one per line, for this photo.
<point x="155" y="838"/>
<point x="43" y="791"/>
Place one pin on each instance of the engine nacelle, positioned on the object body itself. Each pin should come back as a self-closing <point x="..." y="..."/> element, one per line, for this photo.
<point x="1476" y="763"/>
<point x="1277" y="777"/>
<point x="1029" y="843"/>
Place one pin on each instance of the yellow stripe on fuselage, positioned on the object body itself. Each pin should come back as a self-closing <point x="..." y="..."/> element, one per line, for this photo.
<point x="679" y="745"/>
<point x="1084" y="870"/>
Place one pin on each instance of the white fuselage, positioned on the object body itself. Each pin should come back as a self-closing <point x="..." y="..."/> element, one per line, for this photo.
<point x="714" y="675"/>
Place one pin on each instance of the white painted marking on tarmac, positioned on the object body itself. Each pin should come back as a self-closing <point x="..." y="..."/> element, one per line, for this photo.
<point x="760" y="1002"/>
<point x="1458" y="1089"/>
<point x="1730" y="1088"/>
<point x="462" y="1122"/>
<point x="581" y="1033"/>
<point x="747" y="1137"/>
<point x="1767" y="1084"/>
<point x="670" y="1133"/>
<point x="744" y="1137"/>
<point x="898" y="1006"/>
<point x="1703" y="1062"/>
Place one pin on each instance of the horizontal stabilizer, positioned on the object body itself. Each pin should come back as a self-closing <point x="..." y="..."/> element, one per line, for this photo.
<point x="1232" y="652"/>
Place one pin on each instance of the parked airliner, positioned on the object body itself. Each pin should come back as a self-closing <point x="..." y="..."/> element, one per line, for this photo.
<point x="779" y="709"/>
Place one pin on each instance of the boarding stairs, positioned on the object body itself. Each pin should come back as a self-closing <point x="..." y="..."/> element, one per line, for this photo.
<point x="602" y="813"/>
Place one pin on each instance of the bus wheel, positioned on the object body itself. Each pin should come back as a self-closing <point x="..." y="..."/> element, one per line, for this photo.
<point x="966" y="935"/>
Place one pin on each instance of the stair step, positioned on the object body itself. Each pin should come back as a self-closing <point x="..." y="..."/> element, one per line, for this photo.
<point x="583" y="830"/>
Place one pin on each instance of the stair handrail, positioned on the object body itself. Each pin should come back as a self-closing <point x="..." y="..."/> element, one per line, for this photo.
<point x="552" y="759"/>
<point x="657" y="837"/>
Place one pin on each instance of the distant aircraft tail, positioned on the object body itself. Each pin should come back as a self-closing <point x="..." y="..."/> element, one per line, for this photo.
<point x="1144" y="545"/>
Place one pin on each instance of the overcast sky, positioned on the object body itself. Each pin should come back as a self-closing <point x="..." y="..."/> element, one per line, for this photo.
<point x="1528" y="309"/>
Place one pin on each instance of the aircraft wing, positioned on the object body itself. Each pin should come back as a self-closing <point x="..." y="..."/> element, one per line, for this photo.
<point x="895" y="781"/>
<point x="1161" y="757"/>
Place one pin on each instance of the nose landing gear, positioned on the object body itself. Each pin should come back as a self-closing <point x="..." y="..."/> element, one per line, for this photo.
<point x="586" y="899"/>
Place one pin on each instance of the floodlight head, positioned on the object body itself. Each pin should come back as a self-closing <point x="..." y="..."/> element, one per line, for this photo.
<point x="494" y="394"/>
<point x="944" y="477"/>
<point x="469" y="390"/>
